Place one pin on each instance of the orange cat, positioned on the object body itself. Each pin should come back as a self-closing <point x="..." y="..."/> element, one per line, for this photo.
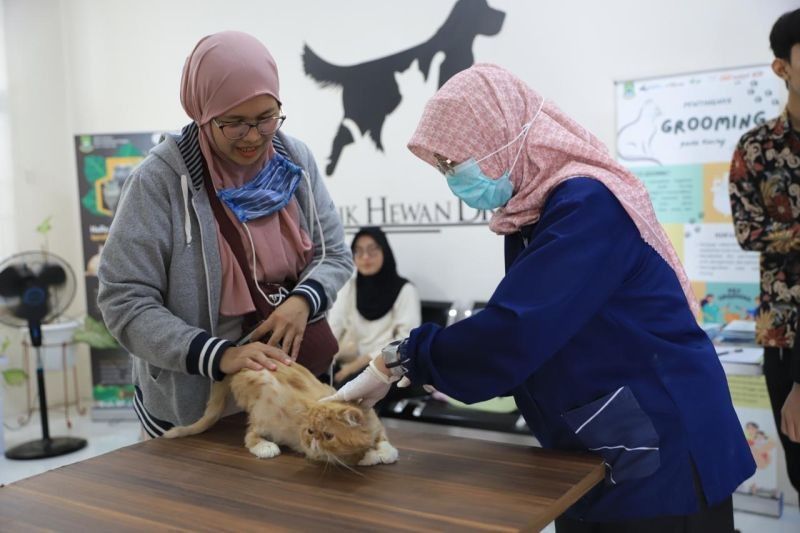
<point x="283" y="409"/>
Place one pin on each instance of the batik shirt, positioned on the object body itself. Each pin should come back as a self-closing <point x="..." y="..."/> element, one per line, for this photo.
<point x="765" y="201"/>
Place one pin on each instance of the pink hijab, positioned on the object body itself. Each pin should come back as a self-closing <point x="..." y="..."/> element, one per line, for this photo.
<point x="486" y="106"/>
<point x="224" y="70"/>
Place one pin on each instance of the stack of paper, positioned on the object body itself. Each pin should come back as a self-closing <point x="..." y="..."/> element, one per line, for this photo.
<point x="732" y="354"/>
<point x="738" y="331"/>
<point x="712" y="329"/>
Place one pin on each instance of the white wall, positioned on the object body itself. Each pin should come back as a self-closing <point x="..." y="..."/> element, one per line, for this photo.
<point x="43" y="164"/>
<point x="7" y="234"/>
<point x="85" y="66"/>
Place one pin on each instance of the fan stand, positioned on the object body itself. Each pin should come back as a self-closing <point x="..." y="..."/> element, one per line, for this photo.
<point x="46" y="446"/>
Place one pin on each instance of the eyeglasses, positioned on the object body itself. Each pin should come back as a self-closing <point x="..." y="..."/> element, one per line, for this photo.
<point x="369" y="251"/>
<point x="444" y="165"/>
<point x="239" y="130"/>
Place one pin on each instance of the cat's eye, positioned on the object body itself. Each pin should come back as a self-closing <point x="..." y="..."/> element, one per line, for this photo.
<point x="310" y="431"/>
<point x="328" y="436"/>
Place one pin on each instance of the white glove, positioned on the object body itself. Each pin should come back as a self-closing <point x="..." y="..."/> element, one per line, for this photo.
<point x="405" y="382"/>
<point x="370" y="386"/>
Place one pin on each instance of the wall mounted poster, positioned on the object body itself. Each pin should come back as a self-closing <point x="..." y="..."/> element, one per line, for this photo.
<point x="678" y="134"/>
<point x="104" y="162"/>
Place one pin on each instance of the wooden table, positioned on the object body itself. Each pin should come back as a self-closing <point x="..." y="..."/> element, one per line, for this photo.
<point x="211" y="482"/>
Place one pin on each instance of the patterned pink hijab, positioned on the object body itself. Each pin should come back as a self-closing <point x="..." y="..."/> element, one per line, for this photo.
<point x="486" y="106"/>
<point x="224" y="70"/>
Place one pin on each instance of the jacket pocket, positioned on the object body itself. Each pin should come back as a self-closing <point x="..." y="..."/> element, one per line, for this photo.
<point x="617" y="428"/>
<point x="154" y="371"/>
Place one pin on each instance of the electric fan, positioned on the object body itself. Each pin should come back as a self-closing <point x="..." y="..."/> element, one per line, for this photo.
<point x="35" y="288"/>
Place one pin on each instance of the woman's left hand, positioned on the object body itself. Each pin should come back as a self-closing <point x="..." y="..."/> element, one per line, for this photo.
<point x="286" y="325"/>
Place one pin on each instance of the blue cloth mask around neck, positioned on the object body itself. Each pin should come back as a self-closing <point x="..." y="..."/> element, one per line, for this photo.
<point x="268" y="192"/>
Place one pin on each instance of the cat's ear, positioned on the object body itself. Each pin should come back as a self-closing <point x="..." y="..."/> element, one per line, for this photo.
<point x="352" y="416"/>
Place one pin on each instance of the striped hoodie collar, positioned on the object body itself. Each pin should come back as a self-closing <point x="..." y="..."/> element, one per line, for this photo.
<point x="189" y="147"/>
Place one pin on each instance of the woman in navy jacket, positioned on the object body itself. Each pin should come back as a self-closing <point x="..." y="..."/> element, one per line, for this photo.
<point x="592" y="328"/>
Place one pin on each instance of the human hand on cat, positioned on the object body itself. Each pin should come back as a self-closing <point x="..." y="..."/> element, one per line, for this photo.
<point x="370" y="387"/>
<point x="286" y="325"/>
<point x="255" y="356"/>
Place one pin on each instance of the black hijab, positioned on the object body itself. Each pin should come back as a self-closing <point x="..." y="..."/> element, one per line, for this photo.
<point x="376" y="294"/>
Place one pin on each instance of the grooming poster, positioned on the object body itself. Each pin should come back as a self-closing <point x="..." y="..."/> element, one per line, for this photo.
<point x="678" y="134"/>
<point x="749" y="394"/>
<point x="104" y="162"/>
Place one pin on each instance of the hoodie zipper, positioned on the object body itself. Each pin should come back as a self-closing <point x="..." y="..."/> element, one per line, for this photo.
<point x="205" y="265"/>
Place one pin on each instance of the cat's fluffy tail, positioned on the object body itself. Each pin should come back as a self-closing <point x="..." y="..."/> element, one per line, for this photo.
<point x="213" y="412"/>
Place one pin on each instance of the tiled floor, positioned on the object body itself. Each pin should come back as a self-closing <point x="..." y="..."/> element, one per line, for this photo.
<point x="104" y="437"/>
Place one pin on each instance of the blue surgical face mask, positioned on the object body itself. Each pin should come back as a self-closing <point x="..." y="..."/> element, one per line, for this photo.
<point x="479" y="191"/>
<point x="267" y="193"/>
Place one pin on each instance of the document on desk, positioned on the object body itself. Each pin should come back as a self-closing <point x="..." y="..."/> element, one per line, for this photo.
<point x="748" y="355"/>
<point x="741" y="326"/>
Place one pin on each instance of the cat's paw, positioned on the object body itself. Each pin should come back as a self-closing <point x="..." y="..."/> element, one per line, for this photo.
<point x="265" y="450"/>
<point x="383" y="453"/>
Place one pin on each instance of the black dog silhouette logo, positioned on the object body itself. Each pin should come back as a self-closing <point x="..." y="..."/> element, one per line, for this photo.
<point x="369" y="90"/>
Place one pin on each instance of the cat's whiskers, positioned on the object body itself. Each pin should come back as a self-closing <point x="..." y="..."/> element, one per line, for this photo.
<point x="325" y="465"/>
<point x="334" y="459"/>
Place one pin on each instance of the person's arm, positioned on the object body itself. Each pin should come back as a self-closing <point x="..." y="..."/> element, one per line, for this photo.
<point x="340" y="318"/>
<point x="328" y="276"/>
<point x="133" y="276"/>
<point x="407" y="311"/>
<point x="755" y="229"/>
<point x="406" y="315"/>
<point x="581" y="252"/>
<point x="339" y="315"/>
<point x="348" y="369"/>
<point x="790" y="412"/>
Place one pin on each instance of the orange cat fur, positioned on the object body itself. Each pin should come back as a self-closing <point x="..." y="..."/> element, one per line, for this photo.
<point x="283" y="409"/>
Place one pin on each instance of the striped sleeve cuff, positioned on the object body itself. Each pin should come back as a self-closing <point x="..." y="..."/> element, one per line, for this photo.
<point x="154" y="427"/>
<point x="314" y="294"/>
<point x="205" y="353"/>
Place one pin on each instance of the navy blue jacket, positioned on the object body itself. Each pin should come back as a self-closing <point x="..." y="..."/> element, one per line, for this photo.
<point x="591" y="333"/>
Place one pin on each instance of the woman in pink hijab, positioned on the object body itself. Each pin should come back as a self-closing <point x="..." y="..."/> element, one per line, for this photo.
<point x="592" y="329"/>
<point x="226" y="249"/>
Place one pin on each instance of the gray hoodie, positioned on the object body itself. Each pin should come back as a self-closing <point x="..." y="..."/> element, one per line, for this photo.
<point x="160" y="275"/>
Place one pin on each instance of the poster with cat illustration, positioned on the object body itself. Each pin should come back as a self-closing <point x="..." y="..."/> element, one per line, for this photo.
<point x="677" y="134"/>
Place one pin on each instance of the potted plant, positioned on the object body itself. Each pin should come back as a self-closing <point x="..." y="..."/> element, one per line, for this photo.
<point x="11" y="377"/>
<point x="95" y="334"/>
